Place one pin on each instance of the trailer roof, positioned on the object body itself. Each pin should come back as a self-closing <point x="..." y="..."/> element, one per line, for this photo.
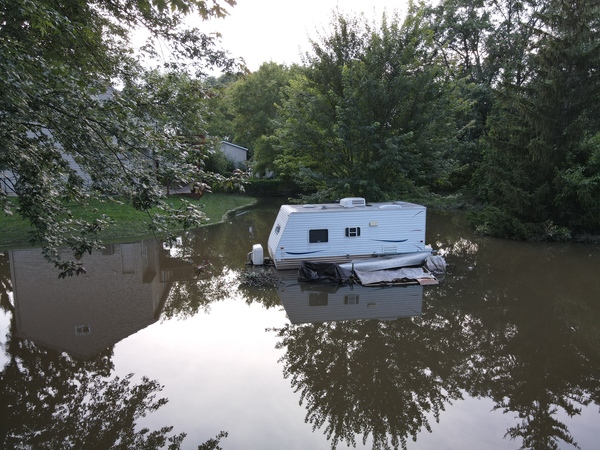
<point x="320" y="207"/>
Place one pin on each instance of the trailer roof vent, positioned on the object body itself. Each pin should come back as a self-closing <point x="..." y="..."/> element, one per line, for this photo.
<point x="351" y="202"/>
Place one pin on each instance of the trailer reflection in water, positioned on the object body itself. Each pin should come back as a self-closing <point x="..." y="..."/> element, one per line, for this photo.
<point x="323" y="302"/>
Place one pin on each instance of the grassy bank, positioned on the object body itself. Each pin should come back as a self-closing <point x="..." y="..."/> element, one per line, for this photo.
<point x="129" y="223"/>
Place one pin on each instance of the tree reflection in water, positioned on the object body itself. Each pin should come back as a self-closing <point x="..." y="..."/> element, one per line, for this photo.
<point x="533" y="349"/>
<point x="509" y="323"/>
<point x="516" y="337"/>
<point x="50" y="400"/>
<point x="210" y="277"/>
<point x="368" y="377"/>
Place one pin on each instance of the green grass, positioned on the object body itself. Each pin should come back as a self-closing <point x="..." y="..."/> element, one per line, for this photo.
<point x="128" y="222"/>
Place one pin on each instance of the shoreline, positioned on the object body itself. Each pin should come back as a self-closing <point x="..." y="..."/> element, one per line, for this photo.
<point x="216" y="218"/>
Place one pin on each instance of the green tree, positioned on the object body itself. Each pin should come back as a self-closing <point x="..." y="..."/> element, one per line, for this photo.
<point x="80" y="119"/>
<point x="482" y="44"/>
<point x="220" y="117"/>
<point x="255" y="101"/>
<point x="373" y="114"/>
<point x="541" y="164"/>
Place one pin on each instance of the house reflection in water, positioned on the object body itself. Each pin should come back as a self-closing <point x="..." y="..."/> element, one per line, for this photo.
<point x="318" y="302"/>
<point x="123" y="291"/>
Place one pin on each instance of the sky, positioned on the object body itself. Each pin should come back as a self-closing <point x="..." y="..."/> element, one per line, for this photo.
<point x="278" y="30"/>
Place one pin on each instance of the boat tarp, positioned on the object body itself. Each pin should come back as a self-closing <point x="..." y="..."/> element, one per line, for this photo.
<point x="387" y="262"/>
<point x="429" y="272"/>
<point x="395" y="276"/>
<point x="436" y="264"/>
<point x="323" y="272"/>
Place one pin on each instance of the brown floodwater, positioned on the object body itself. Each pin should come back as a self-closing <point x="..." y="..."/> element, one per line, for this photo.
<point x="503" y="354"/>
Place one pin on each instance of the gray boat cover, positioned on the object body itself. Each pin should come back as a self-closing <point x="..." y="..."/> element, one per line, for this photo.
<point x="436" y="264"/>
<point x="387" y="262"/>
<point x="391" y="271"/>
<point x="393" y="276"/>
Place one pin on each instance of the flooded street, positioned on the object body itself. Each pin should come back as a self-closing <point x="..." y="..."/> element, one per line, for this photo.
<point x="503" y="354"/>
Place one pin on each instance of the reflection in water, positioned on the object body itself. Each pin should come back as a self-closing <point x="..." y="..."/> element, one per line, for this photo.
<point x="515" y="323"/>
<point x="56" y="390"/>
<point x="50" y="400"/>
<point x="57" y="387"/>
<point x="322" y="302"/>
<point x="381" y="379"/>
<point x="122" y="292"/>
<point x="356" y="376"/>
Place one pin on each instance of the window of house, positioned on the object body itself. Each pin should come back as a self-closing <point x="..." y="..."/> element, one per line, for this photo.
<point x="317" y="299"/>
<point x="317" y="236"/>
<point x="109" y="249"/>
<point x="81" y="330"/>
<point x="353" y="232"/>
<point x="351" y="299"/>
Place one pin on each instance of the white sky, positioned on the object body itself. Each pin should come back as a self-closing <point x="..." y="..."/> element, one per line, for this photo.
<point x="277" y="30"/>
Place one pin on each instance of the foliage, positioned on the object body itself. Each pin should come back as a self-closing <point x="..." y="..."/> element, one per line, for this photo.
<point x="372" y="115"/>
<point x="221" y="114"/>
<point x="540" y="162"/>
<point x="272" y="187"/>
<point x="256" y="99"/>
<point x="82" y="119"/>
<point x="492" y="100"/>
<point x="213" y="443"/>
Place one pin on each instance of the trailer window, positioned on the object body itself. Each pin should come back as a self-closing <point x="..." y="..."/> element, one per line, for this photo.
<point x="316" y="236"/>
<point x="353" y="232"/>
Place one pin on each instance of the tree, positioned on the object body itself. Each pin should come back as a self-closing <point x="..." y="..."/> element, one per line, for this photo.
<point x="373" y="114"/>
<point x="482" y="44"/>
<point x="221" y="115"/>
<point x="81" y="120"/>
<point x="541" y="164"/>
<point x="255" y="100"/>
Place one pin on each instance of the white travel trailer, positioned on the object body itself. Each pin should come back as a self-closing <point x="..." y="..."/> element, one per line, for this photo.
<point x="345" y="231"/>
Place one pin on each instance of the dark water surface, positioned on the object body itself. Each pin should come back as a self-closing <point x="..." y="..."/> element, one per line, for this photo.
<point x="503" y="354"/>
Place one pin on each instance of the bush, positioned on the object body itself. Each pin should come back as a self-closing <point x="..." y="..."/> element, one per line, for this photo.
<point x="263" y="187"/>
<point x="495" y="222"/>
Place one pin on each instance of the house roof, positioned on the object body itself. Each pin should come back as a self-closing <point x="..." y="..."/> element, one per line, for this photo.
<point x="234" y="145"/>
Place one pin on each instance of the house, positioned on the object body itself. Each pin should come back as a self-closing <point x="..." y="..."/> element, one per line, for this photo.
<point x="235" y="153"/>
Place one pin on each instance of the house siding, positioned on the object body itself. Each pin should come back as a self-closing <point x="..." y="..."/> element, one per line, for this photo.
<point x="236" y="153"/>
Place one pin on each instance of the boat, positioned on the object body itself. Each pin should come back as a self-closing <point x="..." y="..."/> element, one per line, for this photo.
<point x="344" y="232"/>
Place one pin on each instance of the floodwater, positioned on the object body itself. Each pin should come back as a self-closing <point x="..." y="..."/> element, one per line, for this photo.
<point x="503" y="354"/>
